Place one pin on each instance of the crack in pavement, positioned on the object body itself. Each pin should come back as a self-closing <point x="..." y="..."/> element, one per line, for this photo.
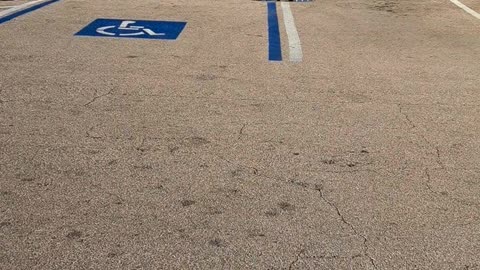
<point x="319" y="188"/>
<point x="438" y="158"/>
<point x="410" y="122"/>
<point x="141" y="147"/>
<point x="90" y="135"/>
<point x="446" y="194"/>
<point x="297" y="257"/>
<point x="240" y="133"/>
<point x="98" y="96"/>
<point x="257" y="172"/>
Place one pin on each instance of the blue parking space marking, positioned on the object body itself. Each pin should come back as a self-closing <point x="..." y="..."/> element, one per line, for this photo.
<point x="25" y="11"/>
<point x="163" y="30"/>
<point x="274" y="44"/>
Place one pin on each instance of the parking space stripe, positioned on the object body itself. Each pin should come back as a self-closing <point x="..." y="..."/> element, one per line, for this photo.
<point x="12" y="9"/>
<point x="274" y="44"/>
<point x="20" y="10"/>
<point x="467" y="9"/>
<point x="295" y="47"/>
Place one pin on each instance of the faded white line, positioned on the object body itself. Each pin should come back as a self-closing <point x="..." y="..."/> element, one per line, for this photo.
<point x="19" y="7"/>
<point x="294" y="44"/>
<point x="467" y="9"/>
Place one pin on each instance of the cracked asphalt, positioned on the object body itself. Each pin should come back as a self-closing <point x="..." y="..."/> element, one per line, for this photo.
<point x="201" y="154"/>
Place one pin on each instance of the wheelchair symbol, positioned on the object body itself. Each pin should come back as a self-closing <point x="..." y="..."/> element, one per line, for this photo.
<point x="127" y="26"/>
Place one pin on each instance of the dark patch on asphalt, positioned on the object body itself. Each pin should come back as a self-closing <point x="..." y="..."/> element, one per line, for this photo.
<point x="471" y="266"/>
<point x="74" y="234"/>
<point x="216" y="242"/>
<point x="111" y="254"/>
<point x="75" y="112"/>
<point x="92" y="151"/>
<point x="285" y="206"/>
<point x="75" y="172"/>
<point x="182" y="234"/>
<point x="188" y="143"/>
<point x="173" y="149"/>
<point x="328" y="161"/>
<point x="197" y="141"/>
<point x="132" y="56"/>
<point x="206" y="77"/>
<point x="143" y="167"/>
<point x="142" y="147"/>
<point x="257" y="235"/>
<point x="112" y="162"/>
<point x="27" y="179"/>
<point x="260" y="107"/>
<point x="230" y="192"/>
<point x="296" y="154"/>
<point x="215" y="212"/>
<point x="5" y="224"/>
<point x="396" y="7"/>
<point x="186" y="203"/>
<point x="118" y="202"/>
<point x="302" y="184"/>
<point x="233" y="190"/>
<point x="388" y="6"/>
<point x="237" y="173"/>
<point x="271" y="213"/>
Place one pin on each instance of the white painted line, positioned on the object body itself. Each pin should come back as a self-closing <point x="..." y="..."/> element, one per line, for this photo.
<point x="294" y="44"/>
<point x="19" y="7"/>
<point x="467" y="9"/>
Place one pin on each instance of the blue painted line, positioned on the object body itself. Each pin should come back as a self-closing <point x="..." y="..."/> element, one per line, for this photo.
<point x="274" y="44"/>
<point x="25" y="11"/>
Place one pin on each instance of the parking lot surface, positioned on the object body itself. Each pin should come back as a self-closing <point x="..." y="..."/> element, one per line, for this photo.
<point x="239" y="134"/>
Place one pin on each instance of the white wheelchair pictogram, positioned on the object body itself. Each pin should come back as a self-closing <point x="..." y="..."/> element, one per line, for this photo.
<point x="127" y="26"/>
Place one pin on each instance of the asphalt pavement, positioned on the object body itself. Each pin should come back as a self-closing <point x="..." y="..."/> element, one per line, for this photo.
<point x="238" y="134"/>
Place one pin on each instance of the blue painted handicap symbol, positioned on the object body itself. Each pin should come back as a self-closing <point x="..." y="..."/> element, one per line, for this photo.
<point x="133" y="29"/>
